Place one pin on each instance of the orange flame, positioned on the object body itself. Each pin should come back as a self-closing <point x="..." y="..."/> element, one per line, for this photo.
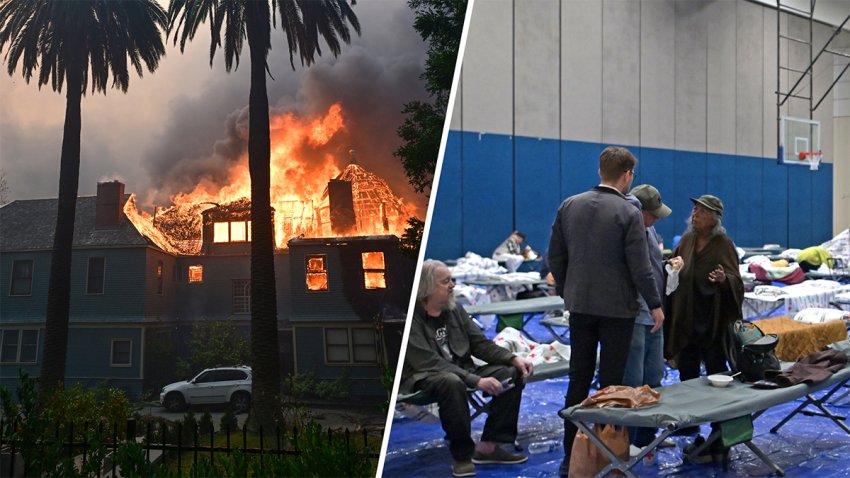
<point x="298" y="184"/>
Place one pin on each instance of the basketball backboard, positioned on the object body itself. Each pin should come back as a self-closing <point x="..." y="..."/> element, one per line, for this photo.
<point x="799" y="141"/>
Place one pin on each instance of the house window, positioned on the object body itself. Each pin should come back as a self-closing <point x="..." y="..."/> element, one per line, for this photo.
<point x="234" y="231"/>
<point x="336" y="346"/>
<point x="121" y="353"/>
<point x="196" y="274"/>
<point x="21" y="278"/>
<point x="19" y="346"/>
<point x="241" y="296"/>
<point x="317" y="272"/>
<point x="374" y="270"/>
<point x="364" y="346"/>
<point x="96" y="274"/>
<point x="350" y="346"/>
<point x="159" y="277"/>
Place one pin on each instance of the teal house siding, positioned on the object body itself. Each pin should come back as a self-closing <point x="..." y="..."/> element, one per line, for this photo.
<point x="123" y="294"/>
<point x="24" y="309"/>
<point x="310" y="357"/>
<point x="89" y="357"/>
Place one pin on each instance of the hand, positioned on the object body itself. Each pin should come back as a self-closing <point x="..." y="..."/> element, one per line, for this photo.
<point x="717" y="275"/>
<point x="658" y="318"/>
<point x="524" y="366"/>
<point x="676" y="263"/>
<point x="489" y="385"/>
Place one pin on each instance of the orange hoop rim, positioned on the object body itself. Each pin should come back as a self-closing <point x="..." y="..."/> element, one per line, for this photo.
<point x="806" y="154"/>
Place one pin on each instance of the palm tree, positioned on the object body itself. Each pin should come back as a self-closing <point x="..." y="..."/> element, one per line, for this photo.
<point x="303" y="22"/>
<point x="78" y="43"/>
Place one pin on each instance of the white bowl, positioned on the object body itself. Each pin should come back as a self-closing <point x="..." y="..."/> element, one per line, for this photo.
<point x="720" y="380"/>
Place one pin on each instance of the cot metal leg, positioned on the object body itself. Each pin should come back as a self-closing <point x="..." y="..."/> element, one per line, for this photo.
<point x="820" y="404"/>
<point x="767" y="461"/>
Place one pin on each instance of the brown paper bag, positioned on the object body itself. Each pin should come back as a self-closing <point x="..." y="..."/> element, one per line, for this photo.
<point x="586" y="459"/>
<point x="622" y="396"/>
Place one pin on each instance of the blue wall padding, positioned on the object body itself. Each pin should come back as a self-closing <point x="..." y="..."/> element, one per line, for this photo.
<point x="488" y="191"/>
<point x="446" y="233"/>
<point x="774" y="193"/>
<point x="538" y="186"/>
<point x="800" y="207"/>
<point x="491" y="184"/>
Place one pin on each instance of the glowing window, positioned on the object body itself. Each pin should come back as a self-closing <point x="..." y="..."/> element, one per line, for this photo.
<point x="196" y="274"/>
<point x="220" y="232"/>
<point x="159" y="277"/>
<point x="374" y="270"/>
<point x="317" y="272"/>
<point x="238" y="232"/>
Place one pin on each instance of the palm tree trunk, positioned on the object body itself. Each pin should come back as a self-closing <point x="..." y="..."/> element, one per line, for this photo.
<point x="59" y="288"/>
<point x="265" y="353"/>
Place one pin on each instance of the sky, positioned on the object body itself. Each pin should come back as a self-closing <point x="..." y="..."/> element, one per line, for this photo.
<point x="180" y="121"/>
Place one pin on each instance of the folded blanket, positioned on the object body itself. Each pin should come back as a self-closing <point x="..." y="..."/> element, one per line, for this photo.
<point x="535" y="353"/>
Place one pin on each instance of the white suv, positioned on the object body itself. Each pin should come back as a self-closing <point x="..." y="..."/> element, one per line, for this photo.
<point x="212" y="386"/>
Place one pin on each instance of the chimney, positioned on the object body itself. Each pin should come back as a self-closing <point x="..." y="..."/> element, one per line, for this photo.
<point x="341" y="201"/>
<point x="109" y="212"/>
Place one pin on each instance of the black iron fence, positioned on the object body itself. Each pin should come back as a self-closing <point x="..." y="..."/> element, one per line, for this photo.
<point x="168" y="444"/>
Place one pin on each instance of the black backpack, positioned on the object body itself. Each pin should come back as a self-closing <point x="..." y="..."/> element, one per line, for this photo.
<point x="750" y="351"/>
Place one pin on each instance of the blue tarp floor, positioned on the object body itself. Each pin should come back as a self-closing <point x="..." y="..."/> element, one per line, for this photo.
<point x="804" y="447"/>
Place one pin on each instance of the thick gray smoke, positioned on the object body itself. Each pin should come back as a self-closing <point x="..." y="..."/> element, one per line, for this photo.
<point x="205" y="134"/>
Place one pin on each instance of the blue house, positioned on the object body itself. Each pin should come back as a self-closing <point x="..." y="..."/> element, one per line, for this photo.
<point x="136" y="286"/>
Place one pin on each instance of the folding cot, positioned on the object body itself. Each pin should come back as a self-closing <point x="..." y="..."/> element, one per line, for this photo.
<point x="695" y="402"/>
<point x="526" y="307"/>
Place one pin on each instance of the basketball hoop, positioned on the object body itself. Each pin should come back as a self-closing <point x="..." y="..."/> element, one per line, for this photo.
<point x="813" y="157"/>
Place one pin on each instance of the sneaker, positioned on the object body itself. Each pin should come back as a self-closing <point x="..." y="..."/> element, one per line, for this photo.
<point x="498" y="457"/>
<point x="463" y="468"/>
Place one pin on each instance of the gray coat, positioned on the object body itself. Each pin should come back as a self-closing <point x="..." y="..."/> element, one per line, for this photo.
<point x="598" y="255"/>
<point x="465" y="339"/>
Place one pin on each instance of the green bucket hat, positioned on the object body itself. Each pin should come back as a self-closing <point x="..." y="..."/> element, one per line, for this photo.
<point x="710" y="202"/>
<point x="650" y="200"/>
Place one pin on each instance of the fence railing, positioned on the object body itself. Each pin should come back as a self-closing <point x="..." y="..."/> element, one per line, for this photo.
<point x="166" y="442"/>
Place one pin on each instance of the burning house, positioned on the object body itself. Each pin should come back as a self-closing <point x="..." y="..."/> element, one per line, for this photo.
<point x="139" y="280"/>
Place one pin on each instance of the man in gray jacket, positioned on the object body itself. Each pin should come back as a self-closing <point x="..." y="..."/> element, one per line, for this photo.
<point x="438" y="361"/>
<point x="598" y="257"/>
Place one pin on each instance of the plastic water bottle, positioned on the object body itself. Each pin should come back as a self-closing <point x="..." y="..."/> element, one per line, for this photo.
<point x="543" y="447"/>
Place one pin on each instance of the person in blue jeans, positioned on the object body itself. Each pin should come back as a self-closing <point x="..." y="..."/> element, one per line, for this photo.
<point x="645" y="365"/>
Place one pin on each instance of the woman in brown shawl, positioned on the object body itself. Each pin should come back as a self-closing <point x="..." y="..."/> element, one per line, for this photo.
<point x="708" y="298"/>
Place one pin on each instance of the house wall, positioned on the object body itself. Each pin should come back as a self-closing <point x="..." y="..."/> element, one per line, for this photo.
<point x="363" y="379"/>
<point x="687" y="86"/>
<point x="159" y="306"/>
<point x="89" y="355"/>
<point x="24" y="309"/>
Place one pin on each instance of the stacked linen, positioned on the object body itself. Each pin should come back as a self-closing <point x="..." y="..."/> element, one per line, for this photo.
<point x="534" y="352"/>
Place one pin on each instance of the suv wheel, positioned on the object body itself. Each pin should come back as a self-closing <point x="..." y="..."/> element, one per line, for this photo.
<point x="240" y="401"/>
<point x="174" y="402"/>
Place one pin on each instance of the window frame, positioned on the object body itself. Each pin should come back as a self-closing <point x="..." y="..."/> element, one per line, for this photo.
<point x="112" y="362"/>
<point x="350" y="346"/>
<point x="102" y="276"/>
<point x="200" y="268"/>
<point x="367" y="271"/>
<point x="246" y="226"/>
<point x="12" y="277"/>
<point x="160" y="277"/>
<point x="247" y="285"/>
<point x="308" y="273"/>
<point x="19" y="345"/>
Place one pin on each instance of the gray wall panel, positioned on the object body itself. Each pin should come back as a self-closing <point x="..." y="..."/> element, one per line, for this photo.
<point x="657" y="75"/>
<point x="749" y="82"/>
<point x="621" y="72"/>
<point x="488" y="69"/>
<point x="721" y="85"/>
<point x="457" y="108"/>
<point x="798" y="58"/>
<point x="690" y="75"/>
<point x="822" y="79"/>
<point x="537" y="83"/>
<point x="770" y="125"/>
<point x="581" y="70"/>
